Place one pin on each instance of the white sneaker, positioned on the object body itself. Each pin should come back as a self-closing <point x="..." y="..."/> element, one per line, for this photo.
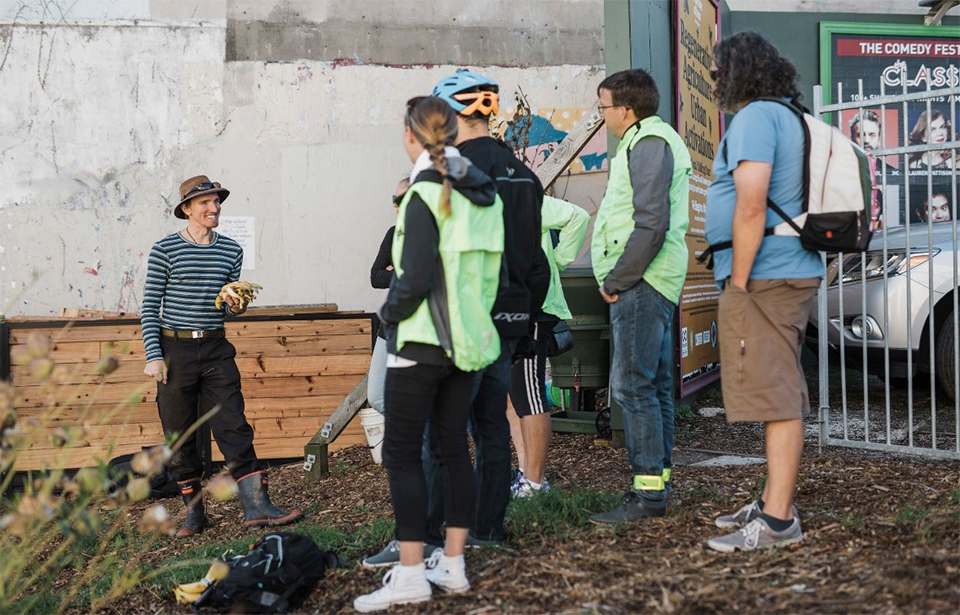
<point x="525" y="488"/>
<point x="447" y="573"/>
<point x="401" y="585"/>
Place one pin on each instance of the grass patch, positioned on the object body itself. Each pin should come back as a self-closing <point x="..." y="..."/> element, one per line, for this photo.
<point x="851" y="521"/>
<point x="557" y="513"/>
<point x="911" y="514"/>
<point x="701" y="494"/>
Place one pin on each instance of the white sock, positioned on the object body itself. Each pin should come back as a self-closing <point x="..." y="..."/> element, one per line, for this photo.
<point x="533" y="485"/>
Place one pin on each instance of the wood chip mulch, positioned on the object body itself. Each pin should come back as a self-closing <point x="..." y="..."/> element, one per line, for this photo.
<point x="882" y="535"/>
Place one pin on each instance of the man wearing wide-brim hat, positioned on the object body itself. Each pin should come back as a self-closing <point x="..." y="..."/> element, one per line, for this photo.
<point x="189" y="355"/>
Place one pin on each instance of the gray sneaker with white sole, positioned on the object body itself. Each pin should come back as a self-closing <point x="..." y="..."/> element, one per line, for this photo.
<point x="390" y="555"/>
<point x="757" y="535"/>
<point x="744" y="516"/>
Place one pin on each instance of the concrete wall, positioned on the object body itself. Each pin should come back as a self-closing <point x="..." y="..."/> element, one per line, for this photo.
<point x="294" y="106"/>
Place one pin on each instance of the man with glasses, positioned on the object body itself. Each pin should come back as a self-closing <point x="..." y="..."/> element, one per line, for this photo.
<point x="640" y="262"/>
<point x="188" y="354"/>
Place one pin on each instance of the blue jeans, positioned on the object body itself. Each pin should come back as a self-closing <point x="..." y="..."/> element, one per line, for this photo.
<point x="641" y="380"/>
<point x="491" y="433"/>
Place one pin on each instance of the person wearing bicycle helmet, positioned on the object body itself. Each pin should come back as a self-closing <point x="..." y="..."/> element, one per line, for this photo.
<point x="523" y="289"/>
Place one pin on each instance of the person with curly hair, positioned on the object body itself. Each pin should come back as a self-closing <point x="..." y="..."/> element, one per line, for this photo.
<point x="768" y="282"/>
<point x="936" y="130"/>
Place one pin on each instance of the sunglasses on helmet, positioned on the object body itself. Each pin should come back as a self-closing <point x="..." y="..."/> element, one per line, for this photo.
<point x="202" y="187"/>
<point x="485" y="102"/>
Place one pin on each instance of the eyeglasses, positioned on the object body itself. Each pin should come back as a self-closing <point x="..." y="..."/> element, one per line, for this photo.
<point x="202" y="187"/>
<point x="602" y="107"/>
<point x="397" y="199"/>
<point x="714" y="73"/>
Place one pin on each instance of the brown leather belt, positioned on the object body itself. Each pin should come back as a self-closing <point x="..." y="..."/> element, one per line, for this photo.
<point x="196" y="335"/>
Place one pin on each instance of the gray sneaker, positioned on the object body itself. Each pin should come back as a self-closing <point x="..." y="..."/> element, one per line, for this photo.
<point x="632" y="508"/>
<point x="744" y="516"/>
<point x="740" y="518"/>
<point x="390" y="555"/>
<point x="757" y="535"/>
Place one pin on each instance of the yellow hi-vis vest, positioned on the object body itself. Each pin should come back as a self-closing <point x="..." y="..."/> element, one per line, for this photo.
<point x="471" y="245"/>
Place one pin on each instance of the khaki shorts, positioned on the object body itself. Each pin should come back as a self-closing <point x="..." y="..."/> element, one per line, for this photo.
<point x="761" y="335"/>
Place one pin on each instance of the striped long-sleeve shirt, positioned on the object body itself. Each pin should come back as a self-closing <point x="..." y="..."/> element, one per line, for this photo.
<point x="183" y="281"/>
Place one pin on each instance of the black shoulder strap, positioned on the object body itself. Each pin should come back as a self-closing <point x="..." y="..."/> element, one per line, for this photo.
<point x="798" y="110"/>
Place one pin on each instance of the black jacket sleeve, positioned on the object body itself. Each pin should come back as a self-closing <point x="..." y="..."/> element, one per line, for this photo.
<point x="379" y="276"/>
<point x="419" y="263"/>
<point x="651" y="171"/>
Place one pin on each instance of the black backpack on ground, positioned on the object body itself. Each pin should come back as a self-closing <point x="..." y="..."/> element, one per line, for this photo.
<point x="275" y="576"/>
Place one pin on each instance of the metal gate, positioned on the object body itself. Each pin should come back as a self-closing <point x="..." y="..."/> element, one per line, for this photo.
<point x="891" y="313"/>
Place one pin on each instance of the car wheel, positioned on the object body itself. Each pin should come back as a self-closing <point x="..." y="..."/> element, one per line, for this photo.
<point x="945" y="357"/>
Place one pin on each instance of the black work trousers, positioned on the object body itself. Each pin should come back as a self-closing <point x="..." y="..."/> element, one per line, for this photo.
<point x="203" y="374"/>
<point x="414" y="395"/>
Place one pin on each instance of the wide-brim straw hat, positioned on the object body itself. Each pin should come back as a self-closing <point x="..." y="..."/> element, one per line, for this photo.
<point x="198" y="186"/>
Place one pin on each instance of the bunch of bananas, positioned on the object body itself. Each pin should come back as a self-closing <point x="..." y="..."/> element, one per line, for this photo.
<point x="244" y="292"/>
<point x="188" y="593"/>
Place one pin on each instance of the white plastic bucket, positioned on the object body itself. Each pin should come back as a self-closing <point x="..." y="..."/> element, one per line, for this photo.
<point x="372" y="423"/>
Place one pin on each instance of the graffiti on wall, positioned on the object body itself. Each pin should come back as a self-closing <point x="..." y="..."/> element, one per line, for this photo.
<point x="547" y="128"/>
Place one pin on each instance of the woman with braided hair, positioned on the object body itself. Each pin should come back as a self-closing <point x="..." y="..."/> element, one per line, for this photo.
<point x="446" y="252"/>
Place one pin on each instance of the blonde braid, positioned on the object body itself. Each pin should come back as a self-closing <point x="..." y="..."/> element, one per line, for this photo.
<point x="439" y="159"/>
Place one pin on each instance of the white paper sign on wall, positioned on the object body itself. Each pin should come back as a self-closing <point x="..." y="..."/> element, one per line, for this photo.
<point x="242" y="229"/>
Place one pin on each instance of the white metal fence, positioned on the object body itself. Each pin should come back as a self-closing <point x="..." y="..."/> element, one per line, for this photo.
<point x="891" y="313"/>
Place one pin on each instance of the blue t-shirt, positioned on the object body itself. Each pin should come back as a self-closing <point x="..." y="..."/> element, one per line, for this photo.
<point x="763" y="131"/>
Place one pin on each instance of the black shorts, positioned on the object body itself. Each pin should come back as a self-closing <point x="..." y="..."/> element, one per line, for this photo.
<point x="527" y="388"/>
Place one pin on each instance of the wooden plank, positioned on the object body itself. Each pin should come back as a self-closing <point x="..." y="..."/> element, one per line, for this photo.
<point x="290" y="449"/>
<point x="316" y="450"/>
<point x="291" y="310"/>
<point x="39" y="396"/>
<point x="286" y="367"/>
<point x="103" y="435"/>
<point x="305" y="346"/>
<point x="297" y="387"/>
<point x="288" y="328"/>
<point x="568" y="149"/>
<point x="76" y="373"/>
<point x="100" y="414"/>
<point x="101" y="333"/>
<point x="36" y="459"/>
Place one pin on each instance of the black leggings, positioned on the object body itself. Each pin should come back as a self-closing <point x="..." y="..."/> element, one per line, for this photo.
<point x="414" y="395"/>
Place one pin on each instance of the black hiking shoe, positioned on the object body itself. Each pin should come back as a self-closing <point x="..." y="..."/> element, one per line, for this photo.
<point x="632" y="508"/>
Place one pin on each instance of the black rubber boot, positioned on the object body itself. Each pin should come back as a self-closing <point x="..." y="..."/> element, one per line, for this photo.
<point x="257" y="508"/>
<point x="192" y="494"/>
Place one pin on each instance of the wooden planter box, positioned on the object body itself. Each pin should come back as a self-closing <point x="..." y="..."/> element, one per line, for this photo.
<point x="297" y="364"/>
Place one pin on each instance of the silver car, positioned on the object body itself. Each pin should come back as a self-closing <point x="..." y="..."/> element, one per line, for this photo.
<point x="908" y="326"/>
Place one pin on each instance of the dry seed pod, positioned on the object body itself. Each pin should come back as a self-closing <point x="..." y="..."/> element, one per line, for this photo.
<point x="8" y="417"/>
<point x="222" y="487"/>
<point x="108" y="365"/>
<point x="41" y="368"/>
<point x="156" y="519"/>
<point x="138" y="489"/>
<point x="144" y="465"/>
<point x="39" y="344"/>
<point x="15" y="524"/>
<point x="20" y="355"/>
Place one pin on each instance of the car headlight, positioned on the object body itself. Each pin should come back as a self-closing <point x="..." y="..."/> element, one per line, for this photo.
<point x="896" y="263"/>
